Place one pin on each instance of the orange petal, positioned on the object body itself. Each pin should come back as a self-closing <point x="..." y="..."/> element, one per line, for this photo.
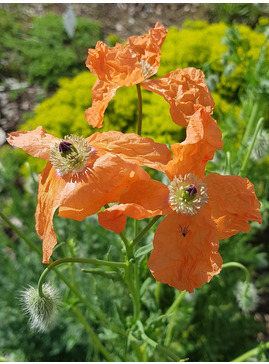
<point x="49" y="199"/>
<point x="202" y="141"/>
<point x="109" y="177"/>
<point x="143" y="200"/>
<point x="148" y="47"/>
<point x="143" y="151"/>
<point x="185" y="262"/>
<point x="121" y="65"/>
<point x="102" y="93"/>
<point x="182" y="89"/>
<point x="233" y="202"/>
<point x="116" y="65"/>
<point x="37" y="142"/>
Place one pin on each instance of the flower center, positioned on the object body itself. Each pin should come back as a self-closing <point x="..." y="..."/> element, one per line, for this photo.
<point x="65" y="147"/>
<point x="187" y="194"/>
<point x="147" y="70"/>
<point x="70" y="155"/>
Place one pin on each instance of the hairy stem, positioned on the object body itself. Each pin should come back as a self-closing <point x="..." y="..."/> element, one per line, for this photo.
<point x="172" y="310"/>
<point x="146" y="229"/>
<point x="155" y="345"/>
<point x="21" y="234"/>
<point x="252" y="352"/>
<point x="131" y="275"/>
<point x="253" y="142"/>
<point x="76" y="260"/>
<point x="238" y="265"/>
<point x="139" y="119"/>
<point x="97" y="343"/>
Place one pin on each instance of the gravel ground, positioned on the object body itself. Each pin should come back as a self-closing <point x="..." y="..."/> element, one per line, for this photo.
<point x="123" y="19"/>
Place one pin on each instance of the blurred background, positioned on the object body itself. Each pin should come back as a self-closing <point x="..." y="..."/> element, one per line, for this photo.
<point x="44" y="81"/>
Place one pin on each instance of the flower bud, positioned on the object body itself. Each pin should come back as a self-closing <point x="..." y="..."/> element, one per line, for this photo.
<point x="40" y="310"/>
<point x="246" y="296"/>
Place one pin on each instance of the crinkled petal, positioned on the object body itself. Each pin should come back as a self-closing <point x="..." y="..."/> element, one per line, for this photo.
<point x="202" y="141"/>
<point x="148" y="48"/>
<point x="182" y="89"/>
<point x="143" y="151"/>
<point x="49" y="199"/>
<point x="121" y="65"/>
<point x="37" y="142"/>
<point x="233" y="203"/>
<point x="185" y="262"/>
<point x="143" y="200"/>
<point x="104" y="183"/>
<point x="102" y="94"/>
<point x="116" y="65"/>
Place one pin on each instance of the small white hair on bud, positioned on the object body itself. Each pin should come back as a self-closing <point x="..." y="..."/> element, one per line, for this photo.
<point x="246" y="296"/>
<point x="40" y="310"/>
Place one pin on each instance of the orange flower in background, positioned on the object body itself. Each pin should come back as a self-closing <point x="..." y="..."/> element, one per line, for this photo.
<point x="201" y="209"/>
<point x="82" y="175"/>
<point x="123" y="66"/>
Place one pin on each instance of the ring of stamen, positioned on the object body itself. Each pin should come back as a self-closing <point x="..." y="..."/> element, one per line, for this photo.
<point x="147" y="70"/>
<point x="187" y="194"/>
<point x="70" y="155"/>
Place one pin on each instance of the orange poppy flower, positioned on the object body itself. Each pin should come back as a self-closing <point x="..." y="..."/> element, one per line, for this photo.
<point x="82" y="175"/>
<point x="123" y="66"/>
<point x="201" y="209"/>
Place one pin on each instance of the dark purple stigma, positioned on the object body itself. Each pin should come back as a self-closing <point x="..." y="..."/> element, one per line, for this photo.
<point x="65" y="147"/>
<point x="191" y="189"/>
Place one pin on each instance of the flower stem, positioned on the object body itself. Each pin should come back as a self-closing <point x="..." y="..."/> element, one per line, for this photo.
<point x="139" y="119"/>
<point x="146" y="229"/>
<point x="176" y="303"/>
<point x="172" y="311"/>
<point x="98" y="314"/>
<point x="76" y="260"/>
<point x="21" y="234"/>
<point x="227" y="169"/>
<point x="95" y="339"/>
<point x="251" y="121"/>
<point x="156" y="345"/>
<point x="238" y="265"/>
<point x="250" y="353"/>
<point x="131" y="275"/>
<point x="253" y="142"/>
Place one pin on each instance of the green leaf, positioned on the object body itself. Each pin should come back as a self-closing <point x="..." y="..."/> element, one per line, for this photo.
<point x="143" y="250"/>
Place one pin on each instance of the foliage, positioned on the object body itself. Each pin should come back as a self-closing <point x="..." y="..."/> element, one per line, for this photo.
<point x="202" y="46"/>
<point x="44" y="52"/>
<point x="246" y="13"/>
<point x="208" y="325"/>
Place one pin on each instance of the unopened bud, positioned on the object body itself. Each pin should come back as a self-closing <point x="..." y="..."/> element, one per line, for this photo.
<point x="246" y="296"/>
<point x="40" y="310"/>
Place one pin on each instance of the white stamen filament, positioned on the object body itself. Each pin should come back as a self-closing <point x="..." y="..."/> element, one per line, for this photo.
<point x="74" y="161"/>
<point x="177" y="197"/>
<point x="147" y="70"/>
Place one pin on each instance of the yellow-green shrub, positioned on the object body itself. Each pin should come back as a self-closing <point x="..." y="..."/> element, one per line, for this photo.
<point x="199" y="44"/>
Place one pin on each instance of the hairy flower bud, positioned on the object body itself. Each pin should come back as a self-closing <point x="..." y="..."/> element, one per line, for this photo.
<point x="40" y="310"/>
<point x="246" y="296"/>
